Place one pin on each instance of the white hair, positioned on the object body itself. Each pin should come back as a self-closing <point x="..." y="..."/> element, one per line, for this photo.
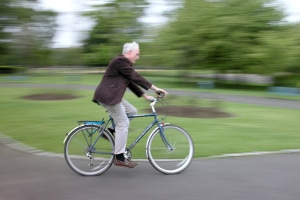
<point x="130" y="46"/>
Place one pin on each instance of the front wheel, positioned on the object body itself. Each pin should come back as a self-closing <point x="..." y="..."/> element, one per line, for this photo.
<point x="89" y="150"/>
<point x="171" y="159"/>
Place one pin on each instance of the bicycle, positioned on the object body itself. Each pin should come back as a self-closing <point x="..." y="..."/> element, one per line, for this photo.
<point x="89" y="147"/>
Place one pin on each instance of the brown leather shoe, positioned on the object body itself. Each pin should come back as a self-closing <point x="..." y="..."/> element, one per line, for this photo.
<point x="126" y="163"/>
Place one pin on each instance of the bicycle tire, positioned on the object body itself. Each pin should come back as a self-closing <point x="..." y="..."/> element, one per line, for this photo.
<point x="170" y="161"/>
<point x="84" y="158"/>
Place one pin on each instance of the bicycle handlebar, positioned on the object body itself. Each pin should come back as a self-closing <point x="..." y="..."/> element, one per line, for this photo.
<point x="160" y="94"/>
<point x="154" y="100"/>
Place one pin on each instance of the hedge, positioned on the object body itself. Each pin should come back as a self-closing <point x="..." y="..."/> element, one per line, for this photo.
<point x="11" y="69"/>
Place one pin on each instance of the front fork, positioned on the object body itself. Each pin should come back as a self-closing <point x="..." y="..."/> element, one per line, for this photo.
<point x="163" y="137"/>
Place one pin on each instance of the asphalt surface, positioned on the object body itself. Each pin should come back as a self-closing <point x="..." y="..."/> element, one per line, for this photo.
<point x="32" y="175"/>
<point x="26" y="176"/>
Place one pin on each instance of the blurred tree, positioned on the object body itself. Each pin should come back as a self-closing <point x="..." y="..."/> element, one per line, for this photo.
<point x="291" y="50"/>
<point x="25" y="33"/>
<point x="67" y="56"/>
<point x="115" y="23"/>
<point x="223" y="35"/>
<point x="6" y="19"/>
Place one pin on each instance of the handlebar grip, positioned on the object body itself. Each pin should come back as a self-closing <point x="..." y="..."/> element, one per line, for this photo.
<point x="153" y="99"/>
<point x="160" y="93"/>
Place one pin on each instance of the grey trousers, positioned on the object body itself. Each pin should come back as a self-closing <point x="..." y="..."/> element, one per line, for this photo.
<point x="119" y="113"/>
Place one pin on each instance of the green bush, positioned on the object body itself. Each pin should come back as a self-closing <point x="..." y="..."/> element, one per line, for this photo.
<point x="287" y="80"/>
<point x="11" y="69"/>
<point x="240" y="86"/>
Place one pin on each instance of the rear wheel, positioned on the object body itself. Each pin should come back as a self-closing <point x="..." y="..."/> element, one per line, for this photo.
<point x="87" y="152"/>
<point x="170" y="160"/>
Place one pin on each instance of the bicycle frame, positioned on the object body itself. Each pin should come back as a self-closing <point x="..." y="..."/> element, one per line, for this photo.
<point x="104" y="124"/>
<point x="145" y="131"/>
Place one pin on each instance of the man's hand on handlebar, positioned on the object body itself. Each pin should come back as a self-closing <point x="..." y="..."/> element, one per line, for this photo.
<point x="159" y="92"/>
<point x="147" y="97"/>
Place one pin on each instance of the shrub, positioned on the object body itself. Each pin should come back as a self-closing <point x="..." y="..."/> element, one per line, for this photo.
<point x="11" y="69"/>
<point x="287" y="80"/>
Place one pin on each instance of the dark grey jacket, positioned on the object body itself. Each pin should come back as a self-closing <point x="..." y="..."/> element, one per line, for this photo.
<point x="118" y="76"/>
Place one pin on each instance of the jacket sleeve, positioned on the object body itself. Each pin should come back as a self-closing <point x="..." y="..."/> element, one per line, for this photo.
<point x="135" y="89"/>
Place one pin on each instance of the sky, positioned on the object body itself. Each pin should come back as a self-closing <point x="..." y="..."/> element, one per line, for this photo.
<point x="71" y="26"/>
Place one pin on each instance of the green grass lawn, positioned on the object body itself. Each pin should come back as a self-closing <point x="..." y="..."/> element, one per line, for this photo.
<point x="44" y="124"/>
<point x="164" y="79"/>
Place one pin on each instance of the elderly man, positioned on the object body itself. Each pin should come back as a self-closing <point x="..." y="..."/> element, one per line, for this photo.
<point x="119" y="76"/>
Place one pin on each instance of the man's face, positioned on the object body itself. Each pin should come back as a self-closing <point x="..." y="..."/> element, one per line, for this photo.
<point x="134" y="55"/>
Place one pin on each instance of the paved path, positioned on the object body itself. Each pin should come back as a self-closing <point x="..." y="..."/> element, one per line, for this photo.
<point x="29" y="176"/>
<point x="24" y="176"/>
